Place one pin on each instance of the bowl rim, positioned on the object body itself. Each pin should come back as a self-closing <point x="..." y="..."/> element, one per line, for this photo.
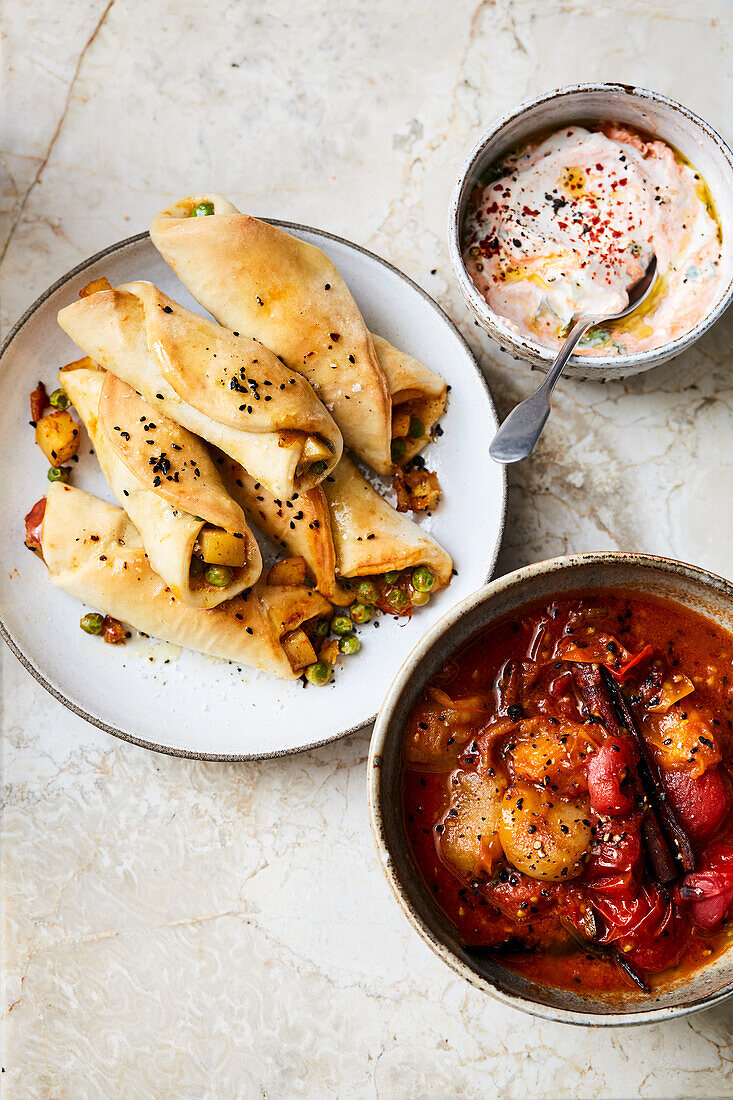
<point x="522" y="346"/>
<point x="384" y="730"/>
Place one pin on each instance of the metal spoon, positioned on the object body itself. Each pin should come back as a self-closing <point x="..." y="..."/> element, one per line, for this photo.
<point x="518" y="435"/>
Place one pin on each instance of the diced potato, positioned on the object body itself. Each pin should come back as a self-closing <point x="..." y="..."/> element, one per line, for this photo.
<point x="289" y="571"/>
<point x="418" y="490"/>
<point x="400" y="422"/>
<point x="314" y="450"/>
<point x="219" y="547"/>
<point x="298" y="649"/>
<point x="470" y="840"/>
<point x="58" y="437"/>
<point x="330" y="651"/>
<point x="560" y="838"/>
<point x="94" y="287"/>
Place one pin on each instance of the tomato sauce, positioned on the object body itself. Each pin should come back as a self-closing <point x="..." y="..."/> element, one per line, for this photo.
<point x="534" y="815"/>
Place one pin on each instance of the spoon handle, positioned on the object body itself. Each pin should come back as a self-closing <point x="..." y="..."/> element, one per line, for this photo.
<point x="517" y="437"/>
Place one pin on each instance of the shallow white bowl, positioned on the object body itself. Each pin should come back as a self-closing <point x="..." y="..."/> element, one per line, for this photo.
<point x="580" y="103"/>
<point x="688" y="585"/>
<point x="183" y="702"/>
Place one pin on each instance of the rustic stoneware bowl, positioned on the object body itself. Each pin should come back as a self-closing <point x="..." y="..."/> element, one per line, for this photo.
<point x="583" y="103"/>
<point x="703" y="592"/>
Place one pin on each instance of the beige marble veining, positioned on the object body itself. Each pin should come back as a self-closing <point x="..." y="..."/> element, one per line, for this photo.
<point x="177" y="929"/>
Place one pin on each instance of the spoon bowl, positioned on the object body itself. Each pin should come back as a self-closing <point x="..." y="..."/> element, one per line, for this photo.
<point x="518" y="435"/>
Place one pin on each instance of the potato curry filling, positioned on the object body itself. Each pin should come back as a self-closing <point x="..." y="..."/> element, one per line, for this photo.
<point x="315" y="647"/>
<point x="216" y="554"/>
<point x="568" y="795"/>
<point x="396" y="592"/>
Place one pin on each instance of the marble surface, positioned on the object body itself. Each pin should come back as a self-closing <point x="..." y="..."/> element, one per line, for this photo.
<point x="176" y="929"/>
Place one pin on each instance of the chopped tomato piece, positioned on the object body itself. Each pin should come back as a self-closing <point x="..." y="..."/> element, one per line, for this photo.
<point x="34" y="524"/>
<point x="710" y="889"/>
<point x="113" y="631"/>
<point x="608" y="771"/>
<point x="604" y="650"/>
<point x="701" y="802"/>
<point x="626" y="669"/>
<point x="520" y="897"/>
<point x="39" y="400"/>
<point x="650" y="930"/>
<point x="615" y="855"/>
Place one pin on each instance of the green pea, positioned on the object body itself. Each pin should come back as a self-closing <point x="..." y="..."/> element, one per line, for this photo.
<point x="422" y="579"/>
<point x="218" y="575"/>
<point x="368" y="592"/>
<point x="417" y="428"/>
<point x="318" y="467"/>
<point x="202" y="210"/>
<point x="399" y="449"/>
<point x="58" y="473"/>
<point x="197" y="566"/>
<point x="398" y="600"/>
<point x="59" y="399"/>
<point x="361" y="612"/>
<point x="349" y="644"/>
<point x="92" y="623"/>
<point x="392" y="576"/>
<point x="319" y="673"/>
<point x="340" y="624"/>
<point x="322" y="628"/>
<point x="418" y="599"/>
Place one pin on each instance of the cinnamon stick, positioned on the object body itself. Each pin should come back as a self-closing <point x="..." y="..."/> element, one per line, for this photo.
<point x="655" y="790"/>
<point x="516" y="946"/>
<point x="594" y="690"/>
<point x="608" y="951"/>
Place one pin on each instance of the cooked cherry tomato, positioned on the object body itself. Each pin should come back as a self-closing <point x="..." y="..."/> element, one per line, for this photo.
<point x="609" y="774"/>
<point x="701" y="803"/>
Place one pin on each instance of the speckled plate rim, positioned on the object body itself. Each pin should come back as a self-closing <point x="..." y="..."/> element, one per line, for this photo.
<point x="373" y="782"/>
<point x="500" y="330"/>
<point x="80" y="712"/>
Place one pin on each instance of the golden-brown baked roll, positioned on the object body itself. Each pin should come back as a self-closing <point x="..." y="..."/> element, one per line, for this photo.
<point x="343" y="528"/>
<point x="228" y="389"/>
<point x="164" y="478"/>
<point x="94" y="553"/>
<point x="259" y="279"/>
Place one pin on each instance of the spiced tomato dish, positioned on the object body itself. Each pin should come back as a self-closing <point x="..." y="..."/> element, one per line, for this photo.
<point x="568" y="795"/>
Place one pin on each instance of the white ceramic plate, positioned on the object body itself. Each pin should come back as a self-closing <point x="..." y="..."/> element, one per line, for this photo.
<point x="182" y="702"/>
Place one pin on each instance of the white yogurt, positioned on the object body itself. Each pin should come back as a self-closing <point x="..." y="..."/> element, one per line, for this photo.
<point x="572" y="223"/>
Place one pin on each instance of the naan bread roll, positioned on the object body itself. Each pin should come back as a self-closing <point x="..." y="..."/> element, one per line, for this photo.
<point x="258" y="279"/>
<point x="343" y="528"/>
<point x="94" y="553"/>
<point x="164" y="478"/>
<point x="230" y="390"/>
